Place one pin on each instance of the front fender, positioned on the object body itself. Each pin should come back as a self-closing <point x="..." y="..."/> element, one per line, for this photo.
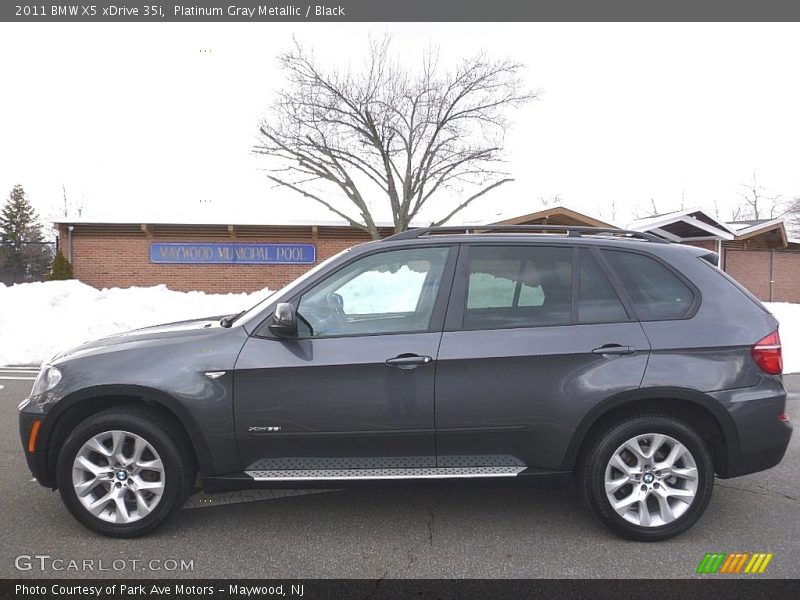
<point x="212" y="440"/>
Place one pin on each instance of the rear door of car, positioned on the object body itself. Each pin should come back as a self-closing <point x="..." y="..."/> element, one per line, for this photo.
<point x="536" y="334"/>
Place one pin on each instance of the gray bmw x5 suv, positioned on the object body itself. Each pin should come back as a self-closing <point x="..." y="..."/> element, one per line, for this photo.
<point x="632" y="366"/>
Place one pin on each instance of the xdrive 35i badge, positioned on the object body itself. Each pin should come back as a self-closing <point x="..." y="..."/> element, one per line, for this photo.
<point x="259" y="429"/>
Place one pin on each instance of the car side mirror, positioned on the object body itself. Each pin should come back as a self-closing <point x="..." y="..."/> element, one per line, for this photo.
<point x="284" y="321"/>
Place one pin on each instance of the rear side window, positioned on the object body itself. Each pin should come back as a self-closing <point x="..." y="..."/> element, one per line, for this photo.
<point x="656" y="292"/>
<point x="517" y="286"/>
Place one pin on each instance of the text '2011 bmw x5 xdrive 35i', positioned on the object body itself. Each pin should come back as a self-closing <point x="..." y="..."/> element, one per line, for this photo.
<point x="632" y="364"/>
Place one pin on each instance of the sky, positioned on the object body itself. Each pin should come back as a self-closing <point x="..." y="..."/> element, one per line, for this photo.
<point x="155" y="122"/>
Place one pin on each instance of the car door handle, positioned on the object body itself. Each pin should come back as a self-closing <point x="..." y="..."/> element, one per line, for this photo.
<point x="614" y="349"/>
<point x="408" y="361"/>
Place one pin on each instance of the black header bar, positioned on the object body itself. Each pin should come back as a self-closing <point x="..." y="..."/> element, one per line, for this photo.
<point x="708" y="587"/>
<point x="399" y="10"/>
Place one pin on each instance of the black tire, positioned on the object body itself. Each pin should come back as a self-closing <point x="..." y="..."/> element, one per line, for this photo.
<point x="592" y="474"/>
<point x="165" y="438"/>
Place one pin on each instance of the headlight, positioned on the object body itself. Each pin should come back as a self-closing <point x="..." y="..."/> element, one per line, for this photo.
<point x="46" y="380"/>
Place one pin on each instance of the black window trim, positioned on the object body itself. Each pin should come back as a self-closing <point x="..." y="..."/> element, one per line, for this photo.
<point x="437" y="314"/>
<point x="616" y="286"/>
<point x="697" y="297"/>
<point x="576" y="282"/>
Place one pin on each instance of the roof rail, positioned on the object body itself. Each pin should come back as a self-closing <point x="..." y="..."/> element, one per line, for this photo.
<point x="570" y="230"/>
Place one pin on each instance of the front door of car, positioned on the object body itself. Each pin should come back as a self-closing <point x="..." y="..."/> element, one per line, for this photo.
<point x="535" y="337"/>
<point x="355" y="388"/>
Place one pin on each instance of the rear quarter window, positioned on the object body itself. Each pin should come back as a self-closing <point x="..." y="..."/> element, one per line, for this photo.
<point x="655" y="291"/>
<point x="737" y="285"/>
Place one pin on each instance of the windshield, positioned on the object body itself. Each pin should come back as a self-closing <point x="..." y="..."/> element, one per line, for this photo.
<point x="254" y="310"/>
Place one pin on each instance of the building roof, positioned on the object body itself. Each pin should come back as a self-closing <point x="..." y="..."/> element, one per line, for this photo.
<point x="194" y="220"/>
<point x="771" y="228"/>
<point x="693" y="224"/>
<point x="556" y="215"/>
<point x="746" y="223"/>
<point x="690" y="224"/>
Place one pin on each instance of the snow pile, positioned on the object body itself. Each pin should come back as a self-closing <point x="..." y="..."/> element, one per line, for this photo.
<point x="37" y="320"/>
<point x="789" y="316"/>
<point x="382" y="291"/>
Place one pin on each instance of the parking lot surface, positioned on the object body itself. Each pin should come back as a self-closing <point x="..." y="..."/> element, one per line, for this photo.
<point x="457" y="531"/>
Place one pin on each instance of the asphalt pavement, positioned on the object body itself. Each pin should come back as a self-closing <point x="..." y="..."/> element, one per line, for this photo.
<point x="457" y="531"/>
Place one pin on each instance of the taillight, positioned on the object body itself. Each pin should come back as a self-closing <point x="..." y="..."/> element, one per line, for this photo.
<point x="767" y="354"/>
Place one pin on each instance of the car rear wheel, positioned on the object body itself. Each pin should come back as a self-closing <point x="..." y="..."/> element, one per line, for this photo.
<point x="648" y="478"/>
<point x="124" y="471"/>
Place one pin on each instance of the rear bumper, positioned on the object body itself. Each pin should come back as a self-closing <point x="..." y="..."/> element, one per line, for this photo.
<point x="762" y="437"/>
<point x="745" y="461"/>
<point x="37" y="460"/>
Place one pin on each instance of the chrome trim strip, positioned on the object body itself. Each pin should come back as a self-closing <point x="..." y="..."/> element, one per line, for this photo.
<point x="384" y="474"/>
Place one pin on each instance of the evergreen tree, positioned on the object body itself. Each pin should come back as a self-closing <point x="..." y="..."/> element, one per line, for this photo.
<point x="61" y="268"/>
<point x="24" y="255"/>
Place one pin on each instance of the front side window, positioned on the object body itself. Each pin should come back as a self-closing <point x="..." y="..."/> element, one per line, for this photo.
<point x="518" y="286"/>
<point x="656" y="292"/>
<point x="390" y="292"/>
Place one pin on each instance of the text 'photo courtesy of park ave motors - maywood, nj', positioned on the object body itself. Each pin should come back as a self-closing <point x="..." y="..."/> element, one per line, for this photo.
<point x="159" y="590"/>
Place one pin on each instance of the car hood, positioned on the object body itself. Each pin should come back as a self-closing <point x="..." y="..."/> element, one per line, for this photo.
<point x="179" y="329"/>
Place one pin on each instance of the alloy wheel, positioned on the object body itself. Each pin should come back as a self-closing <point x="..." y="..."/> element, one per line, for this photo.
<point x="118" y="476"/>
<point x="651" y="480"/>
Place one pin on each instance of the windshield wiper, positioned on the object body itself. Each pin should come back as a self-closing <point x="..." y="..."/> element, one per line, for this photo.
<point x="228" y="321"/>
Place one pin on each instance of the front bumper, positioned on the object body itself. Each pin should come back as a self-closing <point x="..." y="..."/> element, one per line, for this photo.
<point x="37" y="460"/>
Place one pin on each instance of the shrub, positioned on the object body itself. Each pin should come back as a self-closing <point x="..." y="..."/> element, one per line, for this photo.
<point x="60" y="269"/>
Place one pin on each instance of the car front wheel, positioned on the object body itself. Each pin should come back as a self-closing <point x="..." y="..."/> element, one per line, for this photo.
<point x="124" y="471"/>
<point x="648" y="478"/>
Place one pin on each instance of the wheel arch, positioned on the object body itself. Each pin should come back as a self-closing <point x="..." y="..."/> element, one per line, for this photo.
<point x="71" y="409"/>
<point x="698" y="409"/>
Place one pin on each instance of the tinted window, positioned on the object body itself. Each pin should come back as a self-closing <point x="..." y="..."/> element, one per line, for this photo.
<point x="597" y="300"/>
<point x="656" y="292"/>
<point x="518" y="286"/>
<point x="390" y="292"/>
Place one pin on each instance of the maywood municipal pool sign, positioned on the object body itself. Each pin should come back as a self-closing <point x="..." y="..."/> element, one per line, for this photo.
<point x="233" y="254"/>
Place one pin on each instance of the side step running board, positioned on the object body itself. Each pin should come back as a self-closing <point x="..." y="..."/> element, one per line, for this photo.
<point x="355" y="474"/>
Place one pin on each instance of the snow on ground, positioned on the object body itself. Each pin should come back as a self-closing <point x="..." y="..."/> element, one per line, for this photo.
<point x="788" y="314"/>
<point x="37" y="320"/>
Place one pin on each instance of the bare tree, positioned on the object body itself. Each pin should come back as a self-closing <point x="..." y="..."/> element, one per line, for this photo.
<point x="643" y="212"/>
<point x="613" y="210"/>
<point x="71" y="209"/>
<point x="793" y="212"/>
<point x="337" y="136"/>
<point x="553" y="200"/>
<point x="757" y="203"/>
<point x="738" y="213"/>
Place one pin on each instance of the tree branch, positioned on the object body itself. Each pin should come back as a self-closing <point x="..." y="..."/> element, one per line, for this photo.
<point x="469" y="200"/>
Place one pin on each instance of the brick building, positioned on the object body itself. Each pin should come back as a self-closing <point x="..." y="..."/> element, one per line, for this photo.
<point x="249" y="257"/>
<point x="199" y="256"/>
